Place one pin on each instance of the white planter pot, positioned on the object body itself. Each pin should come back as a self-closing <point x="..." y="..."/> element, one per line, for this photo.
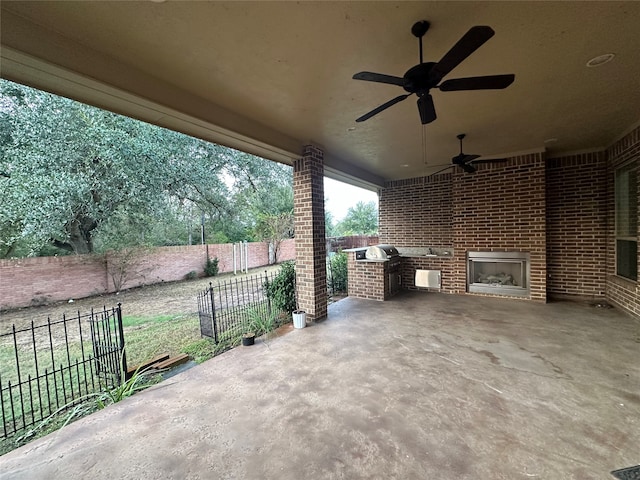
<point x="299" y="319"/>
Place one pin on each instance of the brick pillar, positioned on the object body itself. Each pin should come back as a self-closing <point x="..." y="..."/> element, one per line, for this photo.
<point x="311" y="249"/>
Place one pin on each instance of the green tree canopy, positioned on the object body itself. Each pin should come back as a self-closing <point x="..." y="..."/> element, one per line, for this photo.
<point x="77" y="177"/>
<point x="361" y="219"/>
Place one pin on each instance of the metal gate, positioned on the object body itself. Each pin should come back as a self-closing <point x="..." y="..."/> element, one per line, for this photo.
<point x="207" y="314"/>
<point x="51" y="367"/>
<point x="225" y="309"/>
<point x="107" y="339"/>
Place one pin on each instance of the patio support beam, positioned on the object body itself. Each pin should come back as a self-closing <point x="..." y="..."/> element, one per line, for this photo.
<point x="311" y="250"/>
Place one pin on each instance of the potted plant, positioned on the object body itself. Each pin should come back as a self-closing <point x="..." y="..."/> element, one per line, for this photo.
<point x="248" y="338"/>
<point x="299" y="316"/>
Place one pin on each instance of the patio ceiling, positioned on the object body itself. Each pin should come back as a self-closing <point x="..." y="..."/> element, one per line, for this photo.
<point x="269" y="77"/>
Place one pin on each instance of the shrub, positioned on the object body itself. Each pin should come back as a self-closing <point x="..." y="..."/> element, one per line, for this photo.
<point x="282" y="289"/>
<point x="191" y="275"/>
<point x="211" y="267"/>
<point x="338" y="265"/>
<point x="261" y="322"/>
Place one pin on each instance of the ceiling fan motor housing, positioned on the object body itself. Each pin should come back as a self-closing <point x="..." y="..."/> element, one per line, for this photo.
<point x="416" y="80"/>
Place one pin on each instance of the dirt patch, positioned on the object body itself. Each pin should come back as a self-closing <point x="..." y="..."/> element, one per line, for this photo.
<point x="175" y="298"/>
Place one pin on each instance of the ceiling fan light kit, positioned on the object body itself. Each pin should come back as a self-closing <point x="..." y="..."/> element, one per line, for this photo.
<point x="421" y="78"/>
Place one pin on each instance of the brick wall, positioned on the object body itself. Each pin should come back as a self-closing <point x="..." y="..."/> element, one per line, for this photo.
<point x="576" y="225"/>
<point x="34" y="281"/>
<point x="445" y="265"/>
<point x="311" y="250"/>
<point x="625" y="293"/>
<point x="417" y="212"/>
<point x="366" y="279"/>
<point x="501" y="207"/>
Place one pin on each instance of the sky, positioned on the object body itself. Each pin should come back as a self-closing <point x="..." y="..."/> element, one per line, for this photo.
<point x="339" y="197"/>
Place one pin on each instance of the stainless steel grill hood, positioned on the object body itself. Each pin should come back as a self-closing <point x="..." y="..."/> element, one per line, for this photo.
<point x="382" y="252"/>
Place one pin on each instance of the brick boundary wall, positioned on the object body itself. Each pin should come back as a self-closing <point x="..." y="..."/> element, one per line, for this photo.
<point x="39" y="280"/>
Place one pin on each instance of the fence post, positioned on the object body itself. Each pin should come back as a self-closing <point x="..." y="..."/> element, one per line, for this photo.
<point x="213" y="313"/>
<point x="123" y="354"/>
<point x="266" y="283"/>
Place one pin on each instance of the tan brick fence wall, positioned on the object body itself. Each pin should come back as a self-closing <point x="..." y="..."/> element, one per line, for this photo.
<point x="34" y="281"/>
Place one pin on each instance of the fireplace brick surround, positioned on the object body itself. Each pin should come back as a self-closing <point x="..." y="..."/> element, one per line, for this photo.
<point x="559" y="209"/>
<point x="499" y="208"/>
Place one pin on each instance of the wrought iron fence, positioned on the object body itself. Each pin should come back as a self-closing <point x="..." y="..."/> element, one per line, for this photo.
<point x="226" y="309"/>
<point x="50" y="367"/>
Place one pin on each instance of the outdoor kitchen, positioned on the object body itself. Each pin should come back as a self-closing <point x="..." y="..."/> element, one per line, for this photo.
<point x="381" y="271"/>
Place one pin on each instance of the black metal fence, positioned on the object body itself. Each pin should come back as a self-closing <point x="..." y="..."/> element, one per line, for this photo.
<point x="50" y="367"/>
<point x="226" y="309"/>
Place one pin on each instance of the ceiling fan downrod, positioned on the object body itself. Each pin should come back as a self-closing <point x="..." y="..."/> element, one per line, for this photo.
<point x="418" y="30"/>
<point x="461" y="137"/>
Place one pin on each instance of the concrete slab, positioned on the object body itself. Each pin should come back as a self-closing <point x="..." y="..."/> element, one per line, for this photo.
<point x="426" y="386"/>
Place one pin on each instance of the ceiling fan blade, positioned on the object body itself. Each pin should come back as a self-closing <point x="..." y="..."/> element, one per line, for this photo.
<point x="470" y="158"/>
<point x="379" y="77"/>
<point x="490" y="82"/>
<point x="490" y="160"/>
<point x="441" y="170"/>
<point x="382" y="107"/>
<point x="427" y="109"/>
<point x="469" y="43"/>
<point x="468" y="168"/>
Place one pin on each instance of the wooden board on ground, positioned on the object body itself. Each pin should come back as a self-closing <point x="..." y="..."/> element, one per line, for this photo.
<point x="145" y="365"/>
<point x="172" y="362"/>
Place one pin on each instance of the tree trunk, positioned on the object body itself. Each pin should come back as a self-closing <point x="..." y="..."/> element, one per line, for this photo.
<point x="79" y="240"/>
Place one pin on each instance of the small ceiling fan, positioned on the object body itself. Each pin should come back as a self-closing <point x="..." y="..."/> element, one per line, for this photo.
<point x="466" y="161"/>
<point x="421" y="78"/>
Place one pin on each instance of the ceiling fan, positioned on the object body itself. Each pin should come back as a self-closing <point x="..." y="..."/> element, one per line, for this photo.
<point x="466" y="161"/>
<point x="427" y="75"/>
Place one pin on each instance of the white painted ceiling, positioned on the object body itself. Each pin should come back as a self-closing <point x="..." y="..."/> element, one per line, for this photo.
<point x="270" y="77"/>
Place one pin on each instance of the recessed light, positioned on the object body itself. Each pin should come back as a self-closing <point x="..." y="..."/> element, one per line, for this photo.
<point x="351" y="129"/>
<point x="405" y="165"/>
<point x="551" y="140"/>
<point x="600" y="60"/>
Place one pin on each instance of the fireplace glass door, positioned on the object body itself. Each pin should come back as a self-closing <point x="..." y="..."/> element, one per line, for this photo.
<point x="500" y="273"/>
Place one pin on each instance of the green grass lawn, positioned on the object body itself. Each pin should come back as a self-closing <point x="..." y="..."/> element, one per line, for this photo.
<point x="145" y="338"/>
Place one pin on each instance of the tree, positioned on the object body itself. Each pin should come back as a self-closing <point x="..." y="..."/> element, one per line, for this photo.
<point x="329" y="227"/>
<point x="84" y="180"/>
<point x="272" y="207"/>
<point x="274" y="228"/>
<point x="361" y="219"/>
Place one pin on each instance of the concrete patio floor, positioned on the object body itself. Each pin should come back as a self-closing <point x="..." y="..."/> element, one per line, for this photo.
<point x="425" y="386"/>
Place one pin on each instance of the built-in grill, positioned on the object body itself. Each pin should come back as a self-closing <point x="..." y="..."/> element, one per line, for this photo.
<point x="390" y="254"/>
<point x="382" y="252"/>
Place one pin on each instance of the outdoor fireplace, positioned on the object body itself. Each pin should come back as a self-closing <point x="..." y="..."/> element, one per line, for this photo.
<point x="498" y="273"/>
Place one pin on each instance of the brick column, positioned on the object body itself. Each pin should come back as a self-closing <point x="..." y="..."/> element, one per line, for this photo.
<point x="311" y="249"/>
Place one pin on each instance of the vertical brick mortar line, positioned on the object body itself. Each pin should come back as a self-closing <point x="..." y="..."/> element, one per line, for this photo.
<point x="308" y="200"/>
